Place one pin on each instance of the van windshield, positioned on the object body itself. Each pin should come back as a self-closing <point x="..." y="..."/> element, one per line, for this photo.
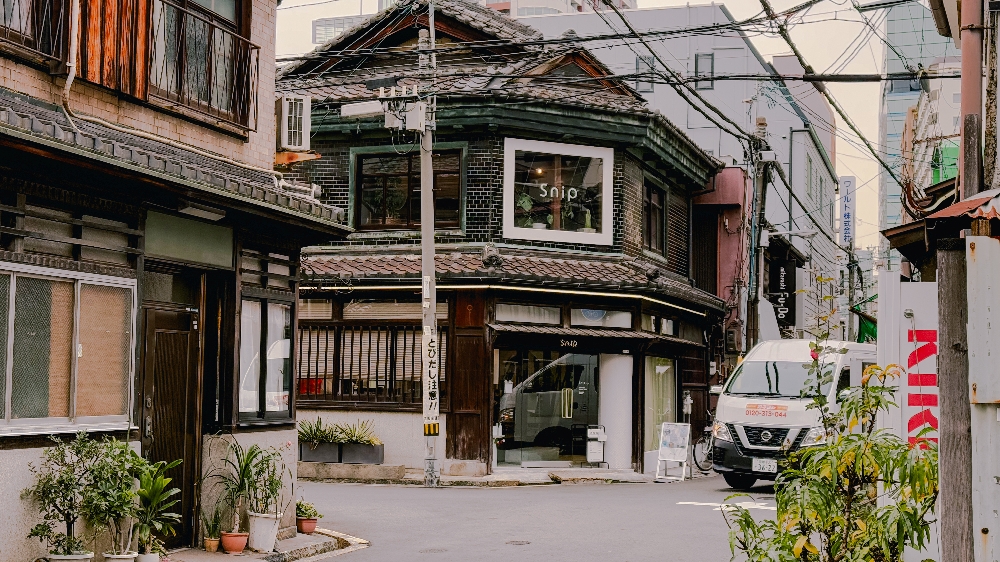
<point x="781" y="379"/>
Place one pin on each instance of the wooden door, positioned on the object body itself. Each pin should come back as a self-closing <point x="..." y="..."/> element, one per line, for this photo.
<point x="171" y="427"/>
<point x="468" y="420"/>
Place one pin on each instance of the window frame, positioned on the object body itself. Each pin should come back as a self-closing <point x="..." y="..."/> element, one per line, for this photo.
<point x="647" y="206"/>
<point x="73" y="423"/>
<point x="263" y="416"/>
<point x="603" y="238"/>
<point x="644" y="65"/>
<point x="706" y="84"/>
<point x="357" y="155"/>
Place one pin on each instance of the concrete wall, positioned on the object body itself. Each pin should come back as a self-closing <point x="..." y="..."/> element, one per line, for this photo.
<point x="106" y="104"/>
<point x="402" y="432"/>
<point x="215" y="449"/>
<point x="18" y="516"/>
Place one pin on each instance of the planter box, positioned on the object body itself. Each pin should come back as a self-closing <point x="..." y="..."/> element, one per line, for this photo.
<point x="324" y="452"/>
<point x="356" y="453"/>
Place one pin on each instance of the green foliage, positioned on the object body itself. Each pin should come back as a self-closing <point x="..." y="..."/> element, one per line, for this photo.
<point x="306" y="510"/>
<point x="110" y="501"/>
<point x="61" y="482"/>
<point x="864" y="494"/>
<point x="252" y="480"/>
<point x="153" y="519"/>
<point x="213" y="523"/>
<point x="362" y="432"/>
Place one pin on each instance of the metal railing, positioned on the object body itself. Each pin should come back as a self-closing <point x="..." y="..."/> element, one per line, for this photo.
<point x="362" y="363"/>
<point x="202" y="65"/>
<point x="36" y="26"/>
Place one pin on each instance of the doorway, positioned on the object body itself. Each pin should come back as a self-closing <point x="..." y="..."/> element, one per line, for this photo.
<point x="171" y="390"/>
<point x="544" y="403"/>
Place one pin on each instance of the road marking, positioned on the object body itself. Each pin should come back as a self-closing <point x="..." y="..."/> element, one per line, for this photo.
<point x="733" y="506"/>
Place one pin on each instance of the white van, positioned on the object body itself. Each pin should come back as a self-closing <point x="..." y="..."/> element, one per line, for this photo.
<point x="761" y="414"/>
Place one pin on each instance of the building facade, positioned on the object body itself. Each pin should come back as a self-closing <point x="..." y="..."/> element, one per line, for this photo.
<point x="563" y="213"/>
<point x="800" y="130"/>
<point x="931" y="137"/>
<point x="148" y="254"/>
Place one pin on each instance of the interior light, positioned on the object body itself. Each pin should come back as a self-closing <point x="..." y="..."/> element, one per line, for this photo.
<point x="539" y="170"/>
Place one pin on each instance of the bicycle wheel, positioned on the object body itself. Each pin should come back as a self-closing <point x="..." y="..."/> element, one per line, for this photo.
<point x="702" y="453"/>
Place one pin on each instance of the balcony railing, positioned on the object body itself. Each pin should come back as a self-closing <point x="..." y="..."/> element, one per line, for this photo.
<point x="202" y="66"/>
<point x="36" y="27"/>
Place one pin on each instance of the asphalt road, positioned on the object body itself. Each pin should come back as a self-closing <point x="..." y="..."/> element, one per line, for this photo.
<point x="612" y="522"/>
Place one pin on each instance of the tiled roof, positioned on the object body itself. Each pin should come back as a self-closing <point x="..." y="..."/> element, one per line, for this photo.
<point x="35" y="120"/>
<point x="537" y="271"/>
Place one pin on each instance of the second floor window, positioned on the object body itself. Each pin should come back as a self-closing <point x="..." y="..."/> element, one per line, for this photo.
<point x="704" y="65"/>
<point x="653" y="219"/>
<point x="388" y="187"/>
<point x="644" y="73"/>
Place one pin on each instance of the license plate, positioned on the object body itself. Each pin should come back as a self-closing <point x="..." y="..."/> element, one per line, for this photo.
<point x="765" y="465"/>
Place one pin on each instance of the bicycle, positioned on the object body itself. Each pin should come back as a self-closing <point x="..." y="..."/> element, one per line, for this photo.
<point x="701" y="452"/>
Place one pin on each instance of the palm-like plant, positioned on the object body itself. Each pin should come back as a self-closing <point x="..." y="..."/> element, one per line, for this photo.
<point x="154" y="519"/>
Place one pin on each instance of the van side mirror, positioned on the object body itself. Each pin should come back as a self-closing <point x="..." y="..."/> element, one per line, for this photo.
<point x="715" y="389"/>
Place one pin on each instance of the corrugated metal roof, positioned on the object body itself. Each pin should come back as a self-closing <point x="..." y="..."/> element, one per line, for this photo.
<point x="981" y="205"/>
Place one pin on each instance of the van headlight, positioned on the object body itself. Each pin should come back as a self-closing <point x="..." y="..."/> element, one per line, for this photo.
<point x="815" y="436"/>
<point x="720" y="431"/>
<point x="507" y="415"/>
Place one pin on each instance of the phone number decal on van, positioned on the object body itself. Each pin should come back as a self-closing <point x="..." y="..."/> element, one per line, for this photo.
<point x="767" y="410"/>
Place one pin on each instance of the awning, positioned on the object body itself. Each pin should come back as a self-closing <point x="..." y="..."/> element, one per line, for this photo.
<point x="984" y="205"/>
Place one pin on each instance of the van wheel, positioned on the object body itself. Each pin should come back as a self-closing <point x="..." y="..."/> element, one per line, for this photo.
<point x="742" y="482"/>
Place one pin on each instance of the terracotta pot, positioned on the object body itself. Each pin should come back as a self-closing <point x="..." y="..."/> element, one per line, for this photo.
<point x="234" y="543"/>
<point x="211" y="545"/>
<point x="306" y="526"/>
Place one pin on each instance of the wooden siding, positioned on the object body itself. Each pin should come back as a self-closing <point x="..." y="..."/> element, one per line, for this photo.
<point x="678" y="232"/>
<point x="705" y="249"/>
<point x="114" y="47"/>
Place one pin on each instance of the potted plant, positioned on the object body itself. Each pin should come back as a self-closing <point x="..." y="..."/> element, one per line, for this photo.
<point x="252" y="479"/>
<point x="318" y="442"/>
<point x="306" y="517"/>
<point x="526" y="217"/>
<point x="213" y="529"/>
<point x="153" y="517"/>
<point x="110" y="501"/>
<point x="61" y="480"/>
<point x="359" y="443"/>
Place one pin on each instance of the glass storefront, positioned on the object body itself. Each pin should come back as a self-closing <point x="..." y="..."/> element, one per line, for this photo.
<point x="661" y="399"/>
<point x="544" y="401"/>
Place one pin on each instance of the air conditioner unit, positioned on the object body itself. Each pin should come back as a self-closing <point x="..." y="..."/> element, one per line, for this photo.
<point x="292" y="114"/>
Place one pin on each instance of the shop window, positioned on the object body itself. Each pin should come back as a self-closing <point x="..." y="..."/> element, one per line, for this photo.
<point x="653" y="219"/>
<point x="71" y="345"/>
<point x="265" y="360"/>
<point x="388" y="190"/>
<point x="390" y="310"/>
<point x="661" y="397"/>
<point x="527" y="314"/>
<point x="600" y="318"/>
<point x="704" y="66"/>
<point x="557" y="192"/>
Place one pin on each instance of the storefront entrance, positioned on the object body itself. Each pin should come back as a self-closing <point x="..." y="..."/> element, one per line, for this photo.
<point x="544" y="402"/>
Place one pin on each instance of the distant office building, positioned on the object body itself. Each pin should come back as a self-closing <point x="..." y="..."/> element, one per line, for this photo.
<point x="910" y="29"/>
<point x="931" y="138"/>
<point x="324" y="29"/>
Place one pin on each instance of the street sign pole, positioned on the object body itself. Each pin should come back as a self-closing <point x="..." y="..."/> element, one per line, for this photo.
<point x="431" y="345"/>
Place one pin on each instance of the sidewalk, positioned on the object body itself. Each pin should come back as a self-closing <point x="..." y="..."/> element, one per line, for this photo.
<point x="516" y="476"/>
<point x="321" y="545"/>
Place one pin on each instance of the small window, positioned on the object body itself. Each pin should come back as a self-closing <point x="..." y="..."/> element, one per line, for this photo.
<point x="527" y="314"/>
<point x="600" y="318"/>
<point x="265" y="360"/>
<point x="653" y="219"/>
<point x="389" y="190"/>
<point x="956" y="97"/>
<point x="704" y="66"/>
<point x="809" y="177"/>
<point x="644" y="67"/>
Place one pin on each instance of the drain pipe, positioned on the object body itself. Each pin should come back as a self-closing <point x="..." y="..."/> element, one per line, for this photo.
<point x="71" y="64"/>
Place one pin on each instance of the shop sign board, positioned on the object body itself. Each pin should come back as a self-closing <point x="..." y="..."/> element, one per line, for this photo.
<point x="847" y="210"/>
<point x="674" y="441"/>
<point x="781" y="291"/>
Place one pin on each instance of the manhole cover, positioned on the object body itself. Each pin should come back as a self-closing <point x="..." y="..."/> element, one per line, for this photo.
<point x="433" y="550"/>
<point x="518" y="543"/>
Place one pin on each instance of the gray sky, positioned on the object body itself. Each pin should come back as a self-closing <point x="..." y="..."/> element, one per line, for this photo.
<point x="825" y="32"/>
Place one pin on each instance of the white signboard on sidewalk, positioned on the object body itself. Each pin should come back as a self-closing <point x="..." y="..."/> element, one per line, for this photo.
<point x="674" y="441"/>
<point x="848" y="185"/>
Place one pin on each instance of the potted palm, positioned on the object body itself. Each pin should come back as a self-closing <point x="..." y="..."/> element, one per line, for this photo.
<point x="213" y="528"/>
<point x="306" y="517"/>
<point x="153" y="519"/>
<point x="61" y="481"/>
<point x="263" y="508"/>
<point x="318" y="442"/>
<point x="110" y="502"/>
<point x="360" y="445"/>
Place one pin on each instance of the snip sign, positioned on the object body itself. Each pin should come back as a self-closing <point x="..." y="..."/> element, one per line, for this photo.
<point x="767" y="410"/>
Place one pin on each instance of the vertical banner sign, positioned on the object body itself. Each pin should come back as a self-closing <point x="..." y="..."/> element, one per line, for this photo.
<point x="781" y="291"/>
<point x="432" y="394"/>
<point x="847" y="210"/>
<point x="918" y="353"/>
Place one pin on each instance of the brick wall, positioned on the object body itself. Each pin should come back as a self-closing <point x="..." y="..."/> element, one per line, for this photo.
<point x="99" y="102"/>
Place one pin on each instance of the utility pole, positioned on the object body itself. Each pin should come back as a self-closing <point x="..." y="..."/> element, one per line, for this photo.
<point x="431" y="347"/>
<point x="971" y="34"/>
<point x="955" y="425"/>
<point x="756" y="230"/>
